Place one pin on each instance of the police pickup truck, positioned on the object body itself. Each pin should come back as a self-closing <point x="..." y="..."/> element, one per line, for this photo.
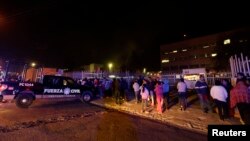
<point x="51" y="87"/>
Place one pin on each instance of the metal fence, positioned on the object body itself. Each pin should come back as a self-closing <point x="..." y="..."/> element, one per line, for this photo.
<point x="174" y="78"/>
<point x="239" y="64"/>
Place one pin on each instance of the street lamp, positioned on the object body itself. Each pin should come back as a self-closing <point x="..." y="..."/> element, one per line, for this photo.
<point x="110" y="65"/>
<point x="33" y="64"/>
<point x="144" y="70"/>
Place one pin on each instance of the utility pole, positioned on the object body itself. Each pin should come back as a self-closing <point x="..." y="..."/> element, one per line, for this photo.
<point x="24" y="72"/>
<point x="6" y="69"/>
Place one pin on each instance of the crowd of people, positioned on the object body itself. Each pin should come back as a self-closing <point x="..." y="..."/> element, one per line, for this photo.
<point x="222" y="97"/>
<point x="222" y="94"/>
<point x="149" y="90"/>
<point x="146" y="91"/>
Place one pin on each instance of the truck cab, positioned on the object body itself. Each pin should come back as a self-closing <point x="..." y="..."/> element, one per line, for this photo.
<point x="51" y="87"/>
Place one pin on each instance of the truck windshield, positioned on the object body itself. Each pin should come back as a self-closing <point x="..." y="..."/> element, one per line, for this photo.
<point x="68" y="82"/>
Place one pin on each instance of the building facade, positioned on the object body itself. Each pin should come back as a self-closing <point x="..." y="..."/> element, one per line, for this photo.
<point x="211" y="52"/>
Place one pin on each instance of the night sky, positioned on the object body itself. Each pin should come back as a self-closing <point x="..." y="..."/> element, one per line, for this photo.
<point x="71" y="33"/>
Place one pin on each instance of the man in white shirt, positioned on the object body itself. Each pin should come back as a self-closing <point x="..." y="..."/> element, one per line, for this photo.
<point x="182" y="91"/>
<point x="219" y="95"/>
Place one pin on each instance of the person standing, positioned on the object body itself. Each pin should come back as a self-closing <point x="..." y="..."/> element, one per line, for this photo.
<point x="166" y="93"/>
<point x="182" y="91"/>
<point x="159" y="96"/>
<point x="144" y="95"/>
<point x="151" y="87"/>
<point x="240" y="98"/>
<point x="228" y="86"/>
<point x="202" y="90"/>
<point x="117" y="93"/>
<point x="136" y="88"/>
<point x="219" y="95"/>
<point x="123" y="89"/>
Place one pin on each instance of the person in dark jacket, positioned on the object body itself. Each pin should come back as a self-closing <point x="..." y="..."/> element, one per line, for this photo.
<point x="202" y="90"/>
<point x="228" y="86"/>
<point x="117" y="93"/>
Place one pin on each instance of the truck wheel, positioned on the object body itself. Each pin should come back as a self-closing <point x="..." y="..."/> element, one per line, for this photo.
<point x="1" y="98"/>
<point x="86" y="96"/>
<point x="24" y="100"/>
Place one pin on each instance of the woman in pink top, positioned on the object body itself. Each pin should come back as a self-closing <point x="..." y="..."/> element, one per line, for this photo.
<point x="144" y="97"/>
<point x="159" y="96"/>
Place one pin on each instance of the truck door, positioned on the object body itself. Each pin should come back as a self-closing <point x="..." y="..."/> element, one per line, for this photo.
<point x="53" y="87"/>
<point x="70" y="87"/>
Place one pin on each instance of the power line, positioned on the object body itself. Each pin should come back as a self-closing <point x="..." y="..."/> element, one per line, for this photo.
<point x="29" y="12"/>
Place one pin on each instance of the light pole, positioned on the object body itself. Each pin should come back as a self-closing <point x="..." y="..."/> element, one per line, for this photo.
<point x="6" y="70"/>
<point x="33" y="64"/>
<point x="24" y="72"/>
<point x="34" y="71"/>
<point x="110" y="65"/>
<point x="144" y="70"/>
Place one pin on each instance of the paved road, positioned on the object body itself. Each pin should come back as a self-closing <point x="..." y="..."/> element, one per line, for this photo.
<point x="73" y="120"/>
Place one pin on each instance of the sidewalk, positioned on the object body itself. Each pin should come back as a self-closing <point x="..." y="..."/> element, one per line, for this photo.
<point x="193" y="118"/>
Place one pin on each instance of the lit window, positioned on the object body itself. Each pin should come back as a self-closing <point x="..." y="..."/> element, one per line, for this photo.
<point x="175" y="51"/>
<point x="166" y="53"/>
<point x="184" y="50"/>
<point x="227" y="41"/>
<point x="205" y="46"/>
<point x="195" y="57"/>
<point x="206" y="55"/>
<point x="214" y="54"/>
<point x="165" y="61"/>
